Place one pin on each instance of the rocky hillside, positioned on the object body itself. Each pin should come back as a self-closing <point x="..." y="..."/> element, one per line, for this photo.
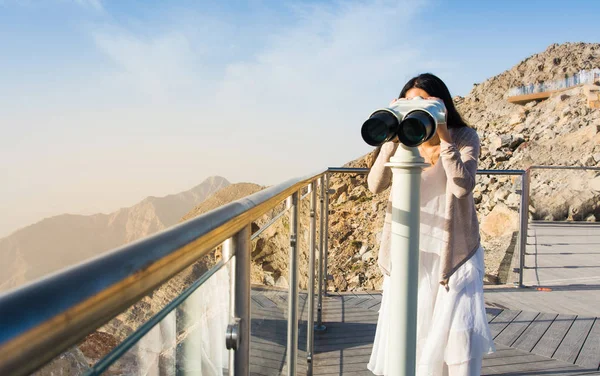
<point x="68" y="239"/>
<point x="562" y="130"/>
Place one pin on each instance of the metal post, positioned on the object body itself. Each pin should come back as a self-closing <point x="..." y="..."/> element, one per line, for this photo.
<point x="524" y="217"/>
<point x="320" y="327"/>
<point x="326" y="236"/>
<point x="241" y="356"/>
<point x="406" y="166"/>
<point x="311" y="280"/>
<point x="228" y="252"/>
<point x="292" y="327"/>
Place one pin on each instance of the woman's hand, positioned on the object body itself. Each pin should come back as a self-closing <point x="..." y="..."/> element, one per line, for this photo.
<point x="442" y="128"/>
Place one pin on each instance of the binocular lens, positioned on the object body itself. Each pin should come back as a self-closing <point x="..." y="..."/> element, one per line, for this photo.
<point x="416" y="128"/>
<point x="380" y="128"/>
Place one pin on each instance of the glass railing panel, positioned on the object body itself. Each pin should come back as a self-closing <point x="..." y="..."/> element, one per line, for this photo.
<point x="356" y="218"/>
<point x="190" y="339"/>
<point x="270" y="290"/>
<point x="564" y="237"/>
<point x="497" y="200"/>
<point x="269" y="296"/>
<point x="565" y="195"/>
<point x="165" y="342"/>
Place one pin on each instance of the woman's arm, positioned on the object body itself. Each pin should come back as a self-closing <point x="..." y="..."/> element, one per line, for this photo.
<point x="380" y="176"/>
<point x="459" y="159"/>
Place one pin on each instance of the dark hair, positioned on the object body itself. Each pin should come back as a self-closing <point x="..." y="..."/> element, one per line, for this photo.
<point x="436" y="88"/>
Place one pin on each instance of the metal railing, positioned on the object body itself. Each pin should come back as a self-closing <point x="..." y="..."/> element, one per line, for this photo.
<point x="523" y="208"/>
<point x="579" y="78"/>
<point x="39" y="321"/>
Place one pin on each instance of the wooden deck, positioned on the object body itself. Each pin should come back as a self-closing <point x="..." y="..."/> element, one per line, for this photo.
<point x="528" y="343"/>
<point x="562" y="270"/>
<point x="537" y="332"/>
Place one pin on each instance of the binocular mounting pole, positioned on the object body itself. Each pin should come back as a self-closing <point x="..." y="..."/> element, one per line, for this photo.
<point x="407" y="165"/>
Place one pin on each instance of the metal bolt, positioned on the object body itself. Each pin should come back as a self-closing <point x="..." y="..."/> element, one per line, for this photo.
<point x="232" y="335"/>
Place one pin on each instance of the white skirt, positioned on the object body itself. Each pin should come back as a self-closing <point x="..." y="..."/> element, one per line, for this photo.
<point x="452" y="327"/>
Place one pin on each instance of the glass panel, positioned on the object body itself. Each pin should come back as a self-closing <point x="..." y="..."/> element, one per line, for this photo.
<point x="188" y="340"/>
<point x="270" y="285"/>
<point x="163" y="349"/>
<point x="497" y="200"/>
<point x="564" y="195"/>
<point x="564" y="238"/>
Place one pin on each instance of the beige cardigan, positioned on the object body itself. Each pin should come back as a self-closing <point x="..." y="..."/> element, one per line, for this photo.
<point x="459" y="160"/>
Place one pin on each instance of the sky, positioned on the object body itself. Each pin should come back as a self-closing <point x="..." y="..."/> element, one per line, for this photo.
<point x="103" y="103"/>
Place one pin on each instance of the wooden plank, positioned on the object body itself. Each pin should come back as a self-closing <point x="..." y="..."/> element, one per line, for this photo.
<point x="490" y="313"/>
<point x="534" y="332"/>
<point x="589" y="356"/>
<point x="554" y="335"/>
<point x="516" y="327"/>
<point x="375" y="307"/>
<point x="264" y="301"/>
<point x="330" y="358"/>
<point x="574" y="339"/>
<point x="519" y="99"/>
<point x="500" y="322"/>
<point x="509" y="361"/>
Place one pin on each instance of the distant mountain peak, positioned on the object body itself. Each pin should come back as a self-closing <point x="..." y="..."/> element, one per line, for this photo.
<point x="66" y="239"/>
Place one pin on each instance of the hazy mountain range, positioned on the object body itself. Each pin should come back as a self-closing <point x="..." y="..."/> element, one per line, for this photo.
<point x="63" y="240"/>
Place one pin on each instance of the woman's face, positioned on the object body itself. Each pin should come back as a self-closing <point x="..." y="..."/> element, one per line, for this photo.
<point x="416" y="92"/>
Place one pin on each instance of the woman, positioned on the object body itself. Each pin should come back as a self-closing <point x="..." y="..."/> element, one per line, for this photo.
<point x="452" y="330"/>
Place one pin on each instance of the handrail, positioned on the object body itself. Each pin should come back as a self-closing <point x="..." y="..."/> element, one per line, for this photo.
<point x="39" y="321"/>
<point x="363" y="170"/>
<point x="543" y="167"/>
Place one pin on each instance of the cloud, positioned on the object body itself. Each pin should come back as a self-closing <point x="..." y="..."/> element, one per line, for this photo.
<point x="158" y="67"/>
<point x="306" y="85"/>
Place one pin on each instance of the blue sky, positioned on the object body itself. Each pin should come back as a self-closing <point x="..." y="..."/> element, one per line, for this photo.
<point x="106" y="102"/>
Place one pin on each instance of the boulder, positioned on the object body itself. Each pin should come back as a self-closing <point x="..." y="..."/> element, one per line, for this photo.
<point x="500" y="222"/>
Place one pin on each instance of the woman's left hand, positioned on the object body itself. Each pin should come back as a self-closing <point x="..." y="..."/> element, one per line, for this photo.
<point x="442" y="128"/>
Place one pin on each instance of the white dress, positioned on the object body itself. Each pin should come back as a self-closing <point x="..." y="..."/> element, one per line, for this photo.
<point x="452" y="329"/>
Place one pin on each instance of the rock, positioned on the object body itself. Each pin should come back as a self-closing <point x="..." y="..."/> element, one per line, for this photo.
<point x="269" y="280"/>
<point x="517" y="117"/>
<point x="513" y="200"/>
<point x="502" y="156"/>
<point x="342" y="198"/>
<point x="596" y="157"/>
<point x="591" y="218"/>
<point x="338" y="189"/>
<point x="501" y="194"/>
<point x="516" y="140"/>
<point x="501" y="221"/>
<point x="363" y="249"/>
<point x="587" y="160"/>
<point x="282" y="282"/>
<point x="499" y="141"/>
<point x="357" y="193"/>
<point x="367" y="256"/>
<point x="530" y="105"/>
